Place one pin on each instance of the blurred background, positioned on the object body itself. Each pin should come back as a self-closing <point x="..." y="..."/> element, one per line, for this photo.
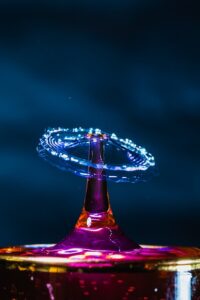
<point x="129" y="67"/>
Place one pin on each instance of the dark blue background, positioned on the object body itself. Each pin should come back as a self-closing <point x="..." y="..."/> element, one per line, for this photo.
<point x="130" y="67"/>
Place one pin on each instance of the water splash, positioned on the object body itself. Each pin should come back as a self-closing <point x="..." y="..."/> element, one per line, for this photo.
<point x="123" y="161"/>
<point x="98" y="156"/>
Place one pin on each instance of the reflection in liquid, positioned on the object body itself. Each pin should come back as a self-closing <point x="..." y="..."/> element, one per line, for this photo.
<point x="19" y="280"/>
<point x="183" y="285"/>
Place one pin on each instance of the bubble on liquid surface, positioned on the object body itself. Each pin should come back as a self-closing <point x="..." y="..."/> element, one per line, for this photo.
<point x="123" y="160"/>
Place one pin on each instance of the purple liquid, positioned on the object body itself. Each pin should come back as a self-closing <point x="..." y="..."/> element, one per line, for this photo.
<point x="96" y="228"/>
